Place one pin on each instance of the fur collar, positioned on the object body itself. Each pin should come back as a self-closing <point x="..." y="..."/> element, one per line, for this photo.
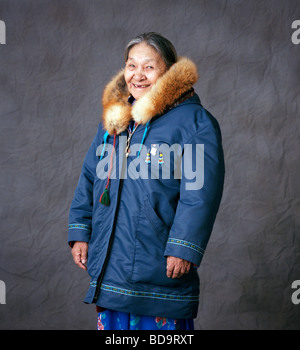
<point x="169" y="88"/>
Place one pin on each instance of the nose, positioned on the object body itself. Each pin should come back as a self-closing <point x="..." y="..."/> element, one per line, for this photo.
<point x="139" y="75"/>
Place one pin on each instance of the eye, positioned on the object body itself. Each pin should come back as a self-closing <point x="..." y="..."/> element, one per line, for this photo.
<point x="149" y="67"/>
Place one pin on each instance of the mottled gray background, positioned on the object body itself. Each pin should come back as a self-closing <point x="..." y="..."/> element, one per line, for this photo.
<point x="59" y="54"/>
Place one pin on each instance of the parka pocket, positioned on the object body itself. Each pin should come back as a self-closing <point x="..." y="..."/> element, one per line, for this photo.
<point x="149" y="263"/>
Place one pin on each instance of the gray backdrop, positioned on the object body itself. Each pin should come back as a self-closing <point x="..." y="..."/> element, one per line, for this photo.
<point x="59" y="54"/>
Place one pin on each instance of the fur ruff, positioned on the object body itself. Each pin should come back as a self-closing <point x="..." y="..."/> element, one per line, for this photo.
<point x="117" y="111"/>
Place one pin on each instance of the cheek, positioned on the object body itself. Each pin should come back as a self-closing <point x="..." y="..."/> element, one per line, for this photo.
<point x="152" y="77"/>
<point x="127" y="77"/>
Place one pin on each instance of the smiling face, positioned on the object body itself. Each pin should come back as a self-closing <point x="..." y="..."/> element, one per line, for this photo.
<point x="143" y="67"/>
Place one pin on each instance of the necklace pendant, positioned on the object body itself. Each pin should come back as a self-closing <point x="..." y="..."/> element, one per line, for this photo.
<point x="127" y="153"/>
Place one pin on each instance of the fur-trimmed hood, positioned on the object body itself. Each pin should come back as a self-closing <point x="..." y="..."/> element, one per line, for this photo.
<point x="169" y="88"/>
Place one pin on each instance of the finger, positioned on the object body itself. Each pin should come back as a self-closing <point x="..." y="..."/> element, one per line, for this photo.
<point x="170" y="270"/>
<point x="180" y="269"/>
<point x="79" y="260"/>
<point x="187" y="270"/>
<point x="76" y="257"/>
<point x="186" y="267"/>
<point x="170" y="267"/>
<point x="82" y="265"/>
<point x="176" y="272"/>
<point x="84" y="259"/>
<point x="84" y="256"/>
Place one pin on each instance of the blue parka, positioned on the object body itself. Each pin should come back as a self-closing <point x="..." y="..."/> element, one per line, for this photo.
<point x="161" y="200"/>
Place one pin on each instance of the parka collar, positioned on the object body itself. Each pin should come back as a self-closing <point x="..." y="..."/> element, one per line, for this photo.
<point x="168" y="91"/>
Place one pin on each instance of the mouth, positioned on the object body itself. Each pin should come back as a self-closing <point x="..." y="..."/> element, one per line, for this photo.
<point x="137" y="86"/>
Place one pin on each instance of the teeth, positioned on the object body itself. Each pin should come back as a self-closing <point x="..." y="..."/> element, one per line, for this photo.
<point x="140" y="86"/>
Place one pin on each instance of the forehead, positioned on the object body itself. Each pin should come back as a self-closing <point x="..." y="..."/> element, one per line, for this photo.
<point x="143" y="52"/>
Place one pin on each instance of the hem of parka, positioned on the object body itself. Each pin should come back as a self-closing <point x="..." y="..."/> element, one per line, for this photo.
<point x="144" y="303"/>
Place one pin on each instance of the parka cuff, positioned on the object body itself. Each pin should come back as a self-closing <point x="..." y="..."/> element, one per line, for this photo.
<point x="184" y="250"/>
<point x="78" y="232"/>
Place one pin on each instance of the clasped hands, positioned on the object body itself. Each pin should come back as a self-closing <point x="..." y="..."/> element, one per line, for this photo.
<point x="176" y="267"/>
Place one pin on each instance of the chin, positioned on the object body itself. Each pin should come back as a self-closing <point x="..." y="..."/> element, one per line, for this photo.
<point x="139" y="94"/>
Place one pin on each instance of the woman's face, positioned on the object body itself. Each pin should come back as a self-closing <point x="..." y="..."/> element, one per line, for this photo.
<point x="143" y="67"/>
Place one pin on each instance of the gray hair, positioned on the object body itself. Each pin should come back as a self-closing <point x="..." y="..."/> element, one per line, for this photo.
<point x="162" y="45"/>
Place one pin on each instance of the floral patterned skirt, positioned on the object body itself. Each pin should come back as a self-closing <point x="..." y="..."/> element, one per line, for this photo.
<point x="115" y="320"/>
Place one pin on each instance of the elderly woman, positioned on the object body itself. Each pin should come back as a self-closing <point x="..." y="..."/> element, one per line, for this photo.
<point x="148" y="193"/>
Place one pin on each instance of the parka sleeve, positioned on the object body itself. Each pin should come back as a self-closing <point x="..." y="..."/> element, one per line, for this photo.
<point x="199" y="197"/>
<point x="81" y="210"/>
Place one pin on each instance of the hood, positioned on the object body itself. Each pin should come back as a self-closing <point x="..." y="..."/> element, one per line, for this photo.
<point x="167" y="91"/>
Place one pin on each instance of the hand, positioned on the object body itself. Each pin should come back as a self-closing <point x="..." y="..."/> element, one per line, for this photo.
<point x="177" y="267"/>
<point x="79" y="252"/>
